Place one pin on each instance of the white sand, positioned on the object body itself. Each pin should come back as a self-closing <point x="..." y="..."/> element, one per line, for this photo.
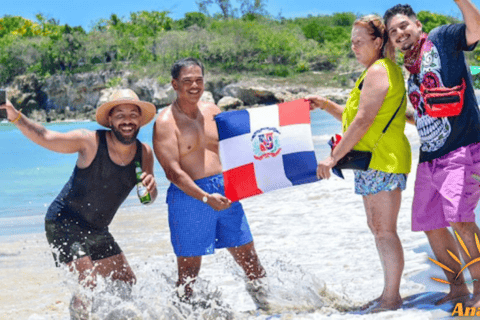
<point x="316" y="231"/>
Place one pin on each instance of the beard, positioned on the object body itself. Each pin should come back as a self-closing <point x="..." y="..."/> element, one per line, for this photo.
<point x="122" y="139"/>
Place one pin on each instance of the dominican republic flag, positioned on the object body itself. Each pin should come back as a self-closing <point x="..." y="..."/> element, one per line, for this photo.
<point x="266" y="148"/>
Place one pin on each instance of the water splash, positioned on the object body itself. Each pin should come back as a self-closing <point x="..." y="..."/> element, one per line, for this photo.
<point x="153" y="297"/>
<point x="294" y="290"/>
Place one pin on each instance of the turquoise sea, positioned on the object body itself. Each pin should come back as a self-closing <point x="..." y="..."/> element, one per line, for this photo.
<point x="313" y="240"/>
<point x="32" y="176"/>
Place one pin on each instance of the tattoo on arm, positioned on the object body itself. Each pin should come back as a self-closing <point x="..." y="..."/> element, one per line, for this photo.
<point x="39" y="130"/>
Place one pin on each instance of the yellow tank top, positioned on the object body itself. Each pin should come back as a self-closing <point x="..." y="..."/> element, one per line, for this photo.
<point x="392" y="153"/>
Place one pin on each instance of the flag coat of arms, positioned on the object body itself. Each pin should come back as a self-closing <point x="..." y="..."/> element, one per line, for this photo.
<point x="266" y="148"/>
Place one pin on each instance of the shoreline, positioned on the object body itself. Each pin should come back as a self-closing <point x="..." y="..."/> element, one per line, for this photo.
<point x="339" y="254"/>
<point x="339" y="95"/>
<point x="320" y="227"/>
<point x="253" y="92"/>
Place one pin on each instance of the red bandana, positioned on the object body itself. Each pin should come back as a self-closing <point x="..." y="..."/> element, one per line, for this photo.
<point x="413" y="58"/>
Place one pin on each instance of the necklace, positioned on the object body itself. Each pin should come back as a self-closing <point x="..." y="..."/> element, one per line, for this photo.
<point x="117" y="154"/>
<point x="180" y="109"/>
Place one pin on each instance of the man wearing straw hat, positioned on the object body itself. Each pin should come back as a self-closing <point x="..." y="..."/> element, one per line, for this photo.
<point x="77" y="221"/>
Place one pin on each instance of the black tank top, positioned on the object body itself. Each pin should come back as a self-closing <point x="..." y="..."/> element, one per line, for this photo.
<point x="92" y="195"/>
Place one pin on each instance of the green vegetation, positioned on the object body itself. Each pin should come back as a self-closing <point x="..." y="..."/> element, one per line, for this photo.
<point x="237" y="40"/>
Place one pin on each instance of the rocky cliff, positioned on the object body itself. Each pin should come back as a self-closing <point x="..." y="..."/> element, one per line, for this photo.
<point x="62" y="97"/>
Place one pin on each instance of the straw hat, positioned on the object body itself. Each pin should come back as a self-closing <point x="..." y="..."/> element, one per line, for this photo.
<point x="125" y="96"/>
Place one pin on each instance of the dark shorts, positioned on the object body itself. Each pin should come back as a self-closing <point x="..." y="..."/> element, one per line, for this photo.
<point x="196" y="229"/>
<point x="69" y="242"/>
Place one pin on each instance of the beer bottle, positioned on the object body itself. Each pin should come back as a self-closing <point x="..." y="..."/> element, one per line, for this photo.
<point x="142" y="191"/>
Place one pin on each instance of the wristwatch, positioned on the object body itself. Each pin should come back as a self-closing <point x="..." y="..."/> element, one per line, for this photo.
<point x="205" y="198"/>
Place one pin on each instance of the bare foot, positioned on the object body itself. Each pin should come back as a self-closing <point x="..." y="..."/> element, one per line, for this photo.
<point x="377" y="309"/>
<point x="369" y="304"/>
<point x="80" y="307"/>
<point x="384" y="305"/>
<point x="389" y="304"/>
<point x="451" y="296"/>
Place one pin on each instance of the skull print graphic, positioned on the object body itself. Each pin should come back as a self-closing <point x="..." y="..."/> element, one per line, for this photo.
<point x="433" y="132"/>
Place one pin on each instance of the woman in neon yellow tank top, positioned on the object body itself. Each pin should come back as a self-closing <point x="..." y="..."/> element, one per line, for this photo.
<point x="367" y="112"/>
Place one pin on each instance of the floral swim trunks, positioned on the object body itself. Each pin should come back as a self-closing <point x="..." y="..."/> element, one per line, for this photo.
<point x="373" y="181"/>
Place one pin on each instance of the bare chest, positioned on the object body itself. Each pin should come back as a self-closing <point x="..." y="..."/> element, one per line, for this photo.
<point x="196" y="136"/>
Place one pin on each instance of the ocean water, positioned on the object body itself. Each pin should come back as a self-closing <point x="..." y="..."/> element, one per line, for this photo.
<point x="313" y="241"/>
<point x="32" y="176"/>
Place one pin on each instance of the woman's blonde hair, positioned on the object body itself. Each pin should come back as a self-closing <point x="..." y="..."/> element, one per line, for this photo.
<point x="377" y="29"/>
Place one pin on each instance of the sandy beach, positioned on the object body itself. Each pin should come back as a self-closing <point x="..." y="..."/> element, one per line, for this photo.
<point x="313" y="241"/>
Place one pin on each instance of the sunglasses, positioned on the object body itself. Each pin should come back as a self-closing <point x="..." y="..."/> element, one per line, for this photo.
<point x="376" y="32"/>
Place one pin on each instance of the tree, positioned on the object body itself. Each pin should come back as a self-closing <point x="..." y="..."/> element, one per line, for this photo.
<point x="149" y="24"/>
<point x="225" y="7"/>
<point x="432" y="20"/>
<point x="8" y="24"/>
<point x="253" y="8"/>
<point x="194" y="18"/>
<point x="247" y="8"/>
<point x="344" y="19"/>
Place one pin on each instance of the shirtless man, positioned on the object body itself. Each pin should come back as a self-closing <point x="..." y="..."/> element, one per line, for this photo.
<point x="201" y="218"/>
<point x="77" y="221"/>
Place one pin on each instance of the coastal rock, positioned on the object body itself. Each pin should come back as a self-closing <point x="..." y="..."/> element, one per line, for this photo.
<point x="83" y="93"/>
<point x="39" y="115"/>
<point x="77" y="90"/>
<point x="160" y="97"/>
<point x="149" y="90"/>
<point x="283" y="96"/>
<point x="25" y="92"/>
<point x="164" y="96"/>
<point x="207" y="96"/>
<point x="27" y="83"/>
<point x="215" y="86"/>
<point x="104" y="96"/>
<point x="226" y="103"/>
<point x="337" y="95"/>
<point x="145" y="88"/>
<point x="250" y="95"/>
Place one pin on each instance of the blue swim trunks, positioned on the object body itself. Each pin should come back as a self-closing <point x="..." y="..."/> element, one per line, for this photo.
<point x="196" y="229"/>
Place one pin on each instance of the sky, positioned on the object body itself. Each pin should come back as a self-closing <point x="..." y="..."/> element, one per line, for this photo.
<point x="85" y="12"/>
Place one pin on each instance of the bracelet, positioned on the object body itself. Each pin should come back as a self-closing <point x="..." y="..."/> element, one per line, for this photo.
<point x="18" y="117"/>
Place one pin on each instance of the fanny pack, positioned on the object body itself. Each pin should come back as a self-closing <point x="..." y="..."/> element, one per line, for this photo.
<point x="443" y="102"/>
<point x="355" y="159"/>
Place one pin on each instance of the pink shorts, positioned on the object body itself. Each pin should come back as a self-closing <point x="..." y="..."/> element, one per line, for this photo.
<point x="445" y="190"/>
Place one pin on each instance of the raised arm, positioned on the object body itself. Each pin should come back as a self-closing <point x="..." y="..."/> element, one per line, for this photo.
<point x="148" y="178"/>
<point x="69" y="142"/>
<point x="471" y="16"/>
<point x="373" y="94"/>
